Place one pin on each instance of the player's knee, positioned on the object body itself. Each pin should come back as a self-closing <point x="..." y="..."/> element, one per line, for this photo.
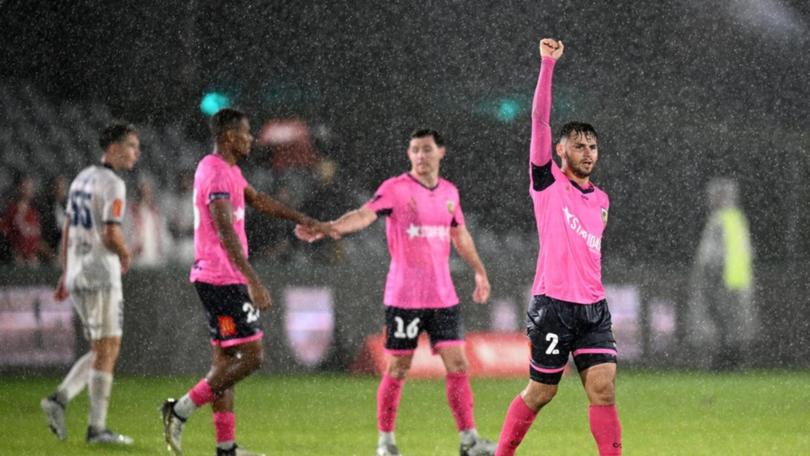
<point x="536" y="396"/>
<point x="105" y="353"/>
<point x="455" y="366"/>
<point x="398" y="367"/>
<point x="602" y="393"/>
<point x="255" y="358"/>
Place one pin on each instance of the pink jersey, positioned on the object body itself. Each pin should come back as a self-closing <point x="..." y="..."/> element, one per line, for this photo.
<point x="570" y="220"/>
<point x="418" y="230"/>
<point x="216" y="179"/>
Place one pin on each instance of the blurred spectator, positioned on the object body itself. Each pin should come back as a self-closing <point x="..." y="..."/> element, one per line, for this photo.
<point x="180" y="214"/>
<point x="148" y="236"/>
<point x="271" y="237"/>
<point x="21" y="226"/>
<point x="291" y="144"/>
<point x="52" y="209"/>
<point x="328" y="200"/>
<point x="722" y="319"/>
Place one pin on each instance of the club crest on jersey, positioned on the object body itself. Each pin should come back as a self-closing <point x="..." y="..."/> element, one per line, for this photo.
<point x="451" y="206"/>
<point x="604" y="215"/>
<point x="117" y="207"/>
<point x="227" y="327"/>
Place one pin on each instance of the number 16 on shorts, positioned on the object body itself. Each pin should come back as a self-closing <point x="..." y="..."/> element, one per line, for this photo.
<point x="403" y="331"/>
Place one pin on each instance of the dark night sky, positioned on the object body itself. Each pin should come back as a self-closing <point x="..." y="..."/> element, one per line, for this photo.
<point x="680" y="91"/>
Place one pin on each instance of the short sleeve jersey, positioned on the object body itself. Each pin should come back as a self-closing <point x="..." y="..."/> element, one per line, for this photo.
<point x="216" y="179"/>
<point x="96" y="197"/>
<point x="418" y="232"/>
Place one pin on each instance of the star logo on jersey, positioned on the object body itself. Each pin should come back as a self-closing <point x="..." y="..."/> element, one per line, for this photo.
<point x="451" y="206"/>
<point x="604" y="215"/>
<point x="413" y="231"/>
<point x="239" y="214"/>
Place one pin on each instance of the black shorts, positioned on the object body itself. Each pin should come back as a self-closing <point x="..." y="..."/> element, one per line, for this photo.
<point x="403" y="326"/>
<point x="232" y="319"/>
<point x="556" y="328"/>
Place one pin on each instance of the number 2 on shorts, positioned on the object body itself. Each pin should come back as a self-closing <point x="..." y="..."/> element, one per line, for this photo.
<point x="552" y="347"/>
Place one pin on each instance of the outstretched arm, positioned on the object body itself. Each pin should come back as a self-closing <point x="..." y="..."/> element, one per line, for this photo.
<point x="266" y="204"/>
<point x="349" y="222"/>
<point x="541" y="144"/>
<point x="465" y="247"/>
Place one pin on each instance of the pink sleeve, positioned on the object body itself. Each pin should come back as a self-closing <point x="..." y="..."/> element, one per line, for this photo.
<point x="458" y="216"/>
<point x="383" y="200"/>
<point x="541" y="113"/>
<point x="215" y="185"/>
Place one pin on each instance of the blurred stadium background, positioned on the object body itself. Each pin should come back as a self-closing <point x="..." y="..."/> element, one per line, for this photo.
<point x="680" y="92"/>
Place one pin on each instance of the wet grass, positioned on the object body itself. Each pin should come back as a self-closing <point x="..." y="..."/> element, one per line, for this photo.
<point x="663" y="413"/>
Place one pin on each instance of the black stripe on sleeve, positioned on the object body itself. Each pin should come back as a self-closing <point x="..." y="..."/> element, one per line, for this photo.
<point x="219" y="195"/>
<point x="542" y="177"/>
<point x="384" y="212"/>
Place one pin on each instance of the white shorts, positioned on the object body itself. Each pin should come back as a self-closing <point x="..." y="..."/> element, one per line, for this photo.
<point x="101" y="312"/>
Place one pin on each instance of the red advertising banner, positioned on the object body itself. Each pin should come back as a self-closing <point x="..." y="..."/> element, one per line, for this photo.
<point x="490" y="354"/>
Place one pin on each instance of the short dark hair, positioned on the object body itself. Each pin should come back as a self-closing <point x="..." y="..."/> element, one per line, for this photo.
<point x="115" y="132"/>
<point x="580" y="128"/>
<point x="425" y="132"/>
<point x="226" y="119"/>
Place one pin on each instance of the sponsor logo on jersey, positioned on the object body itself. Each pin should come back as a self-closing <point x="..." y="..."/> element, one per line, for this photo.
<point x="428" y="231"/>
<point x="594" y="242"/>
<point x="604" y="215"/>
<point x="227" y="327"/>
<point x="451" y="206"/>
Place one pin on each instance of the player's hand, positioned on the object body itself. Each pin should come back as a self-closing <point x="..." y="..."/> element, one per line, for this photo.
<point x="61" y="293"/>
<point x="125" y="260"/>
<point x="551" y="48"/>
<point x="326" y="229"/>
<point x="305" y="233"/>
<point x="482" y="288"/>
<point x="259" y="296"/>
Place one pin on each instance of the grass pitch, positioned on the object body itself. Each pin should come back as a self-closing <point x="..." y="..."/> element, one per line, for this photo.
<point x="758" y="413"/>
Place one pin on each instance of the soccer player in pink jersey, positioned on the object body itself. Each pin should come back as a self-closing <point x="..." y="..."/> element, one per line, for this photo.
<point x="423" y="217"/>
<point x="568" y="312"/>
<point x="230" y="290"/>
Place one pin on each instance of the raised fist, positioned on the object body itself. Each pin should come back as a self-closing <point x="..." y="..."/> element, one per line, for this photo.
<point x="551" y="48"/>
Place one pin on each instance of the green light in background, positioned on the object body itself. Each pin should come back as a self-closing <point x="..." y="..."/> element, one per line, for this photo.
<point x="212" y="102"/>
<point x="508" y="110"/>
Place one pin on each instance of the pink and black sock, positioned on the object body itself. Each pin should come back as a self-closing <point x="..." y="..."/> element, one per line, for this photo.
<point x="225" y="428"/>
<point x="519" y="419"/>
<point x="460" y="399"/>
<point x="388" y="395"/>
<point x="606" y="429"/>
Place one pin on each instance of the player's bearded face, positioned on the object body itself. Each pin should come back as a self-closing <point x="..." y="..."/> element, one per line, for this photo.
<point x="581" y="154"/>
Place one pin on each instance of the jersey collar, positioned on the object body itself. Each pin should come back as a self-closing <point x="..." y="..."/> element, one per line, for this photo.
<point x="583" y="190"/>
<point x="423" y="185"/>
